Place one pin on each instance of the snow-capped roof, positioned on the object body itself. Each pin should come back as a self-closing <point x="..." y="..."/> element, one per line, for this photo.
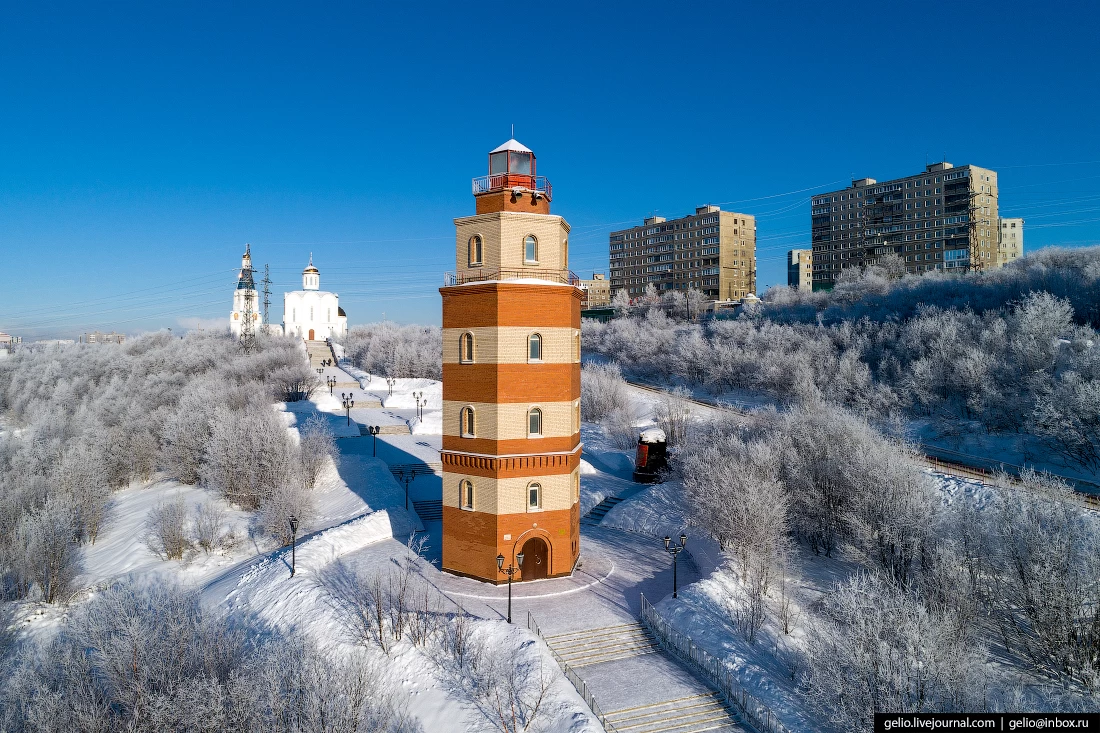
<point x="653" y="435"/>
<point x="512" y="144"/>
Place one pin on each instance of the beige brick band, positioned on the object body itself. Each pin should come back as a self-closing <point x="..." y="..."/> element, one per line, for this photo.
<point x="510" y="345"/>
<point x="510" y="495"/>
<point x="508" y="421"/>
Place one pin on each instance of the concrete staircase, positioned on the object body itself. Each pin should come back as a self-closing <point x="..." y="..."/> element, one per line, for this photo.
<point x="597" y="513"/>
<point x="430" y="510"/>
<point x="401" y="429"/>
<point x="319" y="351"/>
<point x="693" y="714"/>
<point x="606" y="644"/>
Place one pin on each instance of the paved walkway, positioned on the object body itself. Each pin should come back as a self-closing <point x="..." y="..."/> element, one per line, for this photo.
<point x="601" y="600"/>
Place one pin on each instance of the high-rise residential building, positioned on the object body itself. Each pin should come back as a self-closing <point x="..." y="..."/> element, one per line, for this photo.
<point x="1011" y="241"/>
<point x="712" y="251"/>
<point x="942" y="219"/>
<point x="95" y="337"/>
<point x="800" y="269"/>
<point x="597" y="291"/>
<point x="511" y="382"/>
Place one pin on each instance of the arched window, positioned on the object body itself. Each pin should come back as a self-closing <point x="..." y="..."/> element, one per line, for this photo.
<point x="466" y="348"/>
<point x="466" y="494"/>
<point x="531" y="249"/>
<point x="564" y="253"/>
<point x="534" y="496"/>
<point x="534" y="347"/>
<point x="534" y="421"/>
<point x="475" y="250"/>
<point x="467" y="419"/>
<point x="577" y="347"/>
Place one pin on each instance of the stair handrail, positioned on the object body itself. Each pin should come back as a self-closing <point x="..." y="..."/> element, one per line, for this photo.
<point x="681" y="646"/>
<point x="571" y="675"/>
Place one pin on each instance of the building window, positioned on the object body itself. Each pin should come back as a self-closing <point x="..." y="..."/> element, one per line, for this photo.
<point x="466" y="494"/>
<point x="467" y="420"/>
<point x="466" y="348"/>
<point x="534" y="347"/>
<point x="531" y="250"/>
<point x="475" y="250"/>
<point x="534" y="422"/>
<point x="564" y="253"/>
<point x="534" y="496"/>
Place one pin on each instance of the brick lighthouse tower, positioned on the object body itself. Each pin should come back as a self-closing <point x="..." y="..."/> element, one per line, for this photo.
<point x="511" y="381"/>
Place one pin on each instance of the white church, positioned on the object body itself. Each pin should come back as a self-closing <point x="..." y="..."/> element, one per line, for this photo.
<point x="313" y="314"/>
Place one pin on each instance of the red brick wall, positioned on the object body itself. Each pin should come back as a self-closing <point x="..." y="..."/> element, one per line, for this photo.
<point x="472" y="540"/>
<point x="488" y="203"/>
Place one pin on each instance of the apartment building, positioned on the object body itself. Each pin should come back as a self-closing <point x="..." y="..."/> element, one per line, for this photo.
<point x="800" y="269"/>
<point x="712" y="251"/>
<point x="1010" y="245"/>
<point x="597" y="291"/>
<point x="945" y="218"/>
<point x="95" y="337"/>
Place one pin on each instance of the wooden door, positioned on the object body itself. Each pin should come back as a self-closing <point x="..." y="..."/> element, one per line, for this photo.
<point x="536" y="559"/>
<point x="311" y="334"/>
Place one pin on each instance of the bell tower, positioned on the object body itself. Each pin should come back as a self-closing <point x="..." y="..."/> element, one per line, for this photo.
<point x="511" y="381"/>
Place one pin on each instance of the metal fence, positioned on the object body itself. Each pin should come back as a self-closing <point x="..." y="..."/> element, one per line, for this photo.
<point x="566" y="277"/>
<point x="572" y="676"/>
<point x="682" y="647"/>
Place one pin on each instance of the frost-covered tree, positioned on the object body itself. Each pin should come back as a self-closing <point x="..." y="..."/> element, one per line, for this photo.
<point x="876" y="648"/>
<point x="49" y="558"/>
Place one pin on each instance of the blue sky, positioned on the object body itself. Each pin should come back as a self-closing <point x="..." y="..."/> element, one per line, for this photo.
<point x="141" y="145"/>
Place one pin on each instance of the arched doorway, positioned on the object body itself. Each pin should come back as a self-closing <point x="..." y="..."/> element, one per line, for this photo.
<point x="536" y="559"/>
<point x="311" y="334"/>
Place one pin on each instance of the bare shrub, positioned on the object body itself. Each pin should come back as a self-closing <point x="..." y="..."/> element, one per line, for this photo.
<point x="249" y="455"/>
<point x="619" y="426"/>
<point x="315" y="449"/>
<point x="506" y="679"/>
<point x="210" y="531"/>
<point x="293" y="383"/>
<point x="1049" y="590"/>
<point x="360" y="602"/>
<point x="603" y="391"/>
<point x="81" y="481"/>
<point x="48" y="558"/>
<point x="146" y="658"/>
<point x="391" y="350"/>
<point x="877" y="648"/>
<point x="166" y="529"/>
<point x="671" y="413"/>
<point x="282" y="502"/>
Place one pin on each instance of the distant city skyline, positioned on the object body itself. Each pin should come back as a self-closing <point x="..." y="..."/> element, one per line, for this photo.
<point x="143" y="146"/>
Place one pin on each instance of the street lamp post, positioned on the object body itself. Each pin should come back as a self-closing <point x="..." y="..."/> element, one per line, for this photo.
<point x="331" y="383"/>
<point x="509" y="571"/>
<point x="348" y="402"/>
<point x="293" y="543"/>
<point x="418" y="396"/>
<point x="321" y="369"/>
<point x="390" y="381"/>
<point x="373" y="430"/>
<point x="674" y="551"/>
<point x="406" y="476"/>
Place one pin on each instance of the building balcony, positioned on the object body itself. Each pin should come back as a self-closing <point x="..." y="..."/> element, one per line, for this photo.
<point x="518" y="182"/>
<point x="565" y="277"/>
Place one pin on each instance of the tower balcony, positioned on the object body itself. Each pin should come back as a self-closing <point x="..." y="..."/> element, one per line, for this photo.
<point x="517" y="182"/>
<point x="565" y="277"/>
